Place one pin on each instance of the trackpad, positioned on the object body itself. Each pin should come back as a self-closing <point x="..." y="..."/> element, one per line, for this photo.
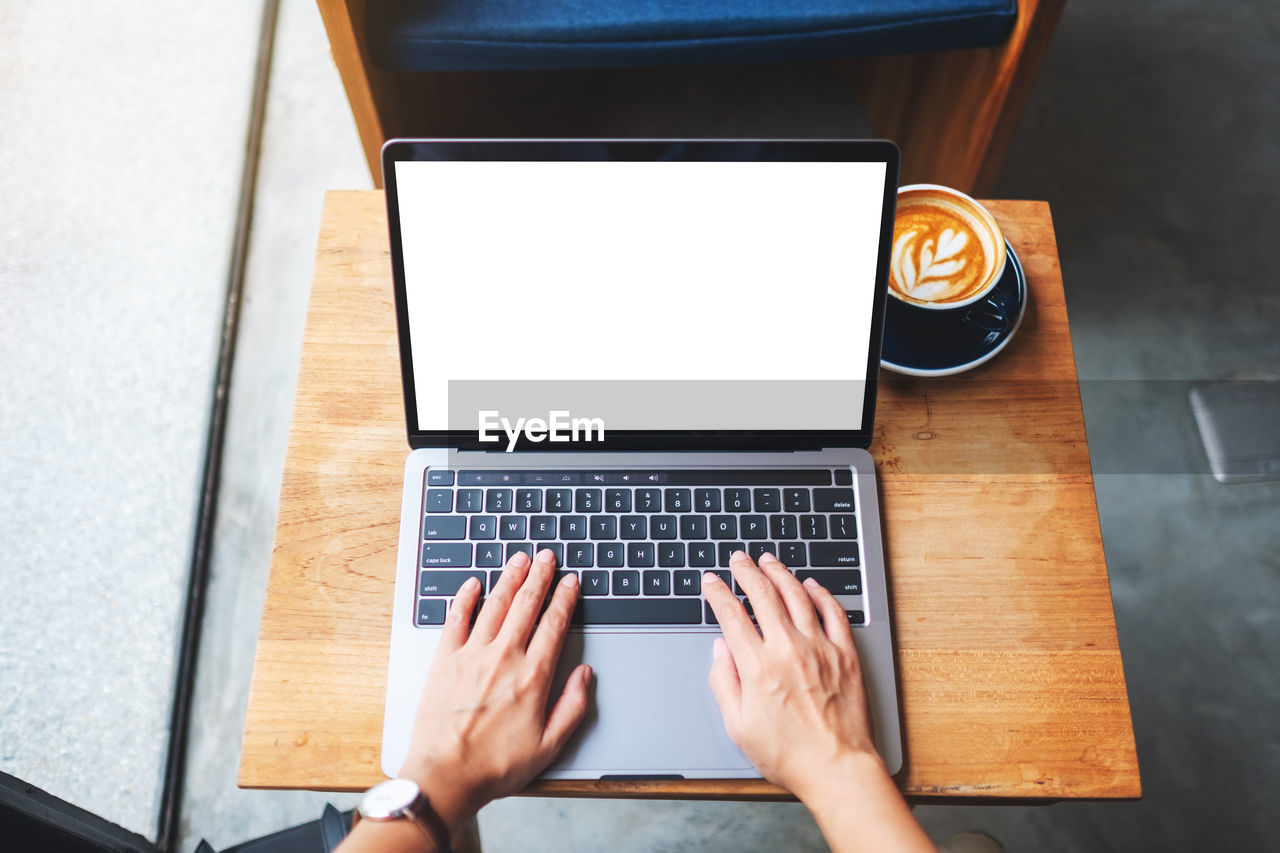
<point x="651" y="710"/>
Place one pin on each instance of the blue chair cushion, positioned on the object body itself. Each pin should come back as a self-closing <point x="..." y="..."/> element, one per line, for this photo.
<point x="476" y="35"/>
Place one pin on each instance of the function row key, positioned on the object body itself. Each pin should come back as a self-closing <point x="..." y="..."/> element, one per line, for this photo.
<point x="683" y="477"/>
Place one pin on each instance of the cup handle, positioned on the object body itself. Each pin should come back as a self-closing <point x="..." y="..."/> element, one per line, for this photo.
<point x="993" y="314"/>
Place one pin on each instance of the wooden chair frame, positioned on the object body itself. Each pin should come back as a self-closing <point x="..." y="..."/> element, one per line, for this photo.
<point x="953" y="113"/>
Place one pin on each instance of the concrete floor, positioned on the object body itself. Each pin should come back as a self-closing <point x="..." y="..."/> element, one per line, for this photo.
<point x="1151" y="132"/>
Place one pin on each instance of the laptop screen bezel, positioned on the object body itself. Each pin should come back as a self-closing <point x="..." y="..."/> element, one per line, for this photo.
<point x="842" y="151"/>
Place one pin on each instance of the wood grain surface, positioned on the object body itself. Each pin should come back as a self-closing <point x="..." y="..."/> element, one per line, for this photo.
<point x="1010" y="674"/>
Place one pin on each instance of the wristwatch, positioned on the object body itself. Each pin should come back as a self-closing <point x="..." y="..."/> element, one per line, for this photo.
<point x="402" y="798"/>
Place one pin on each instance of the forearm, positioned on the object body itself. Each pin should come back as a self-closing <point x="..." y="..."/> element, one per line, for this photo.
<point x="860" y="810"/>
<point x="387" y="836"/>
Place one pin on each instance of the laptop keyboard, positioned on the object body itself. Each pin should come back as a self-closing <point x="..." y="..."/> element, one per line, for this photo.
<point x="638" y="540"/>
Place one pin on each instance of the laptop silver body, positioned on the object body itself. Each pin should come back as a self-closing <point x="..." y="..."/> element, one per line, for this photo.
<point x="652" y="714"/>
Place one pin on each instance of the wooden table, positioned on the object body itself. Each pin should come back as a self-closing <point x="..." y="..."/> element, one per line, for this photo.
<point x="1009" y="668"/>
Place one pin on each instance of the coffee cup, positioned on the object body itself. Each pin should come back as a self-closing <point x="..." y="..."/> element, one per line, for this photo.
<point x="948" y="251"/>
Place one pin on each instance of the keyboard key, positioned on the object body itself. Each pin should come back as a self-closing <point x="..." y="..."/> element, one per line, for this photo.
<point x="581" y="555"/>
<point x="513" y="527"/>
<point x="662" y="527"/>
<point x="470" y="500"/>
<point x="792" y="554"/>
<point x="559" y="500"/>
<point x="595" y="583"/>
<point x="497" y="500"/>
<point x="626" y="583"/>
<point x="445" y="583"/>
<point x="693" y="527"/>
<point x="795" y="500"/>
<point x="833" y="554"/>
<point x="431" y="611"/>
<point x="653" y="611"/>
<point x="678" y="500"/>
<point x="439" y="500"/>
<point x="727" y="548"/>
<point x="782" y="527"/>
<point x="754" y="527"/>
<point x="604" y="527"/>
<point x="767" y="500"/>
<point x="833" y="500"/>
<point x="542" y="527"/>
<point x="757" y="549"/>
<point x="727" y="576"/>
<point x="573" y="527"/>
<point x="489" y="554"/>
<point x="529" y="500"/>
<point x="587" y="500"/>
<point x="844" y="477"/>
<point x="517" y="547"/>
<point x="855" y="617"/>
<point x="688" y="583"/>
<point x="484" y="527"/>
<point x="724" y="527"/>
<point x="436" y="554"/>
<point x="617" y="500"/>
<point x="844" y="527"/>
<point x="610" y="555"/>
<point x="556" y="548"/>
<point x="640" y="555"/>
<point x="737" y="500"/>
<point x="439" y="477"/>
<point x="702" y="555"/>
<point x="706" y="500"/>
<point x="657" y="582"/>
<point x="671" y="555"/>
<point x="494" y="577"/>
<point x="648" y="500"/>
<point x="444" y="527"/>
<point x="634" y="527"/>
<point x="813" y="527"/>
<point x="839" y="582"/>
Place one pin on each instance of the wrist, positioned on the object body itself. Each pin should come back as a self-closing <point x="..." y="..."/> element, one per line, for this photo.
<point x="845" y="774"/>
<point x="449" y="796"/>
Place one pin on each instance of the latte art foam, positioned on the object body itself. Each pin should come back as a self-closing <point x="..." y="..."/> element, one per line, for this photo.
<point x="944" y="248"/>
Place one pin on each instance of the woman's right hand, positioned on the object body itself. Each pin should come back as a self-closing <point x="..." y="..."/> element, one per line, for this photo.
<point x="794" y="702"/>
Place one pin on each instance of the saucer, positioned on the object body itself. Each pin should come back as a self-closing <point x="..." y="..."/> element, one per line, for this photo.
<point x="922" y="342"/>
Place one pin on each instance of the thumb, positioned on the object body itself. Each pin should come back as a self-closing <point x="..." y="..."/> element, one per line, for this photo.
<point x="725" y="683"/>
<point x="568" y="711"/>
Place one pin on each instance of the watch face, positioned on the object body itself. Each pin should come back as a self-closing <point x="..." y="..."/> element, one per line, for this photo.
<point x="389" y="799"/>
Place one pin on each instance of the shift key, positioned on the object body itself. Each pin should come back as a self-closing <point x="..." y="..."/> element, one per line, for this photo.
<point x="440" y="554"/>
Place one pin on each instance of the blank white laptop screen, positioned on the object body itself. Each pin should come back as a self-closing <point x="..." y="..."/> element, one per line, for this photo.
<point x="653" y="295"/>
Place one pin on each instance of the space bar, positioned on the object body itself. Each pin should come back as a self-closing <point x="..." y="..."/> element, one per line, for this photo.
<point x="655" y="611"/>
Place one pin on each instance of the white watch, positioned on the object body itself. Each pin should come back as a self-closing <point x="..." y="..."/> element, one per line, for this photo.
<point x="397" y="799"/>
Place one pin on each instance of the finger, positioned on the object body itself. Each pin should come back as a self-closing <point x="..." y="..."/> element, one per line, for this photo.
<point x="770" y="614"/>
<point x="455" y="627"/>
<point x="726" y="684"/>
<point x="797" y="602"/>
<point x="528" y="601"/>
<point x="548" y="637"/>
<point x="496" y="605"/>
<point x="735" y="624"/>
<point x="567" y="713"/>
<point x="834" y="621"/>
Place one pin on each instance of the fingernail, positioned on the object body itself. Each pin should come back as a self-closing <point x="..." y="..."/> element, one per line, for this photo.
<point x="767" y="557"/>
<point x="546" y="555"/>
<point x="710" y="577"/>
<point x="811" y="583"/>
<point x="585" y="676"/>
<point x="717" y="648"/>
<point x="519" y="561"/>
<point x="738" y="555"/>
<point x="570" y="580"/>
<point x="470" y="583"/>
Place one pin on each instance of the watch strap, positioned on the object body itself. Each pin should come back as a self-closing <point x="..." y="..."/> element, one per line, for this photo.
<point x="425" y="816"/>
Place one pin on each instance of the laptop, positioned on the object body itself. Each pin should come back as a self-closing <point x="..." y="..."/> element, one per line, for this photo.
<point x="643" y="355"/>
